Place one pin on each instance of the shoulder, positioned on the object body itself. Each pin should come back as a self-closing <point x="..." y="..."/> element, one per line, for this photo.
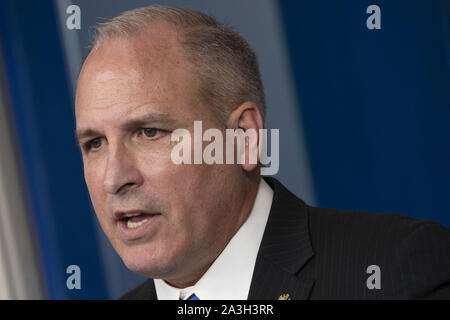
<point x="384" y="228"/>
<point x="366" y="224"/>
<point x="145" y="291"/>
<point x="329" y="226"/>
<point x="413" y="255"/>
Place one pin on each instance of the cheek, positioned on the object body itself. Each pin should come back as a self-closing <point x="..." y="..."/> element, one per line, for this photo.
<point x="94" y="184"/>
<point x="192" y="192"/>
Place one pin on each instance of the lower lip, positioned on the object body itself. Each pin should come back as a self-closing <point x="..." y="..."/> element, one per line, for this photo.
<point x="132" y="234"/>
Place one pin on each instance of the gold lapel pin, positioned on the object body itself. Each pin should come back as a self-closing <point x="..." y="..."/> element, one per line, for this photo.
<point x="285" y="296"/>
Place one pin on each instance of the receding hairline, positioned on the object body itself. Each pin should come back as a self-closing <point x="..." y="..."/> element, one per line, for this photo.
<point x="141" y="49"/>
<point x="137" y="21"/>
<point x="154" y="37"/>
<point x="224" y="62"/>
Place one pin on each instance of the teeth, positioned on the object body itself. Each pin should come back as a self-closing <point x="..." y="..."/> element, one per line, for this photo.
<point x="134" y="225"/>
<point x="134" y="214"/>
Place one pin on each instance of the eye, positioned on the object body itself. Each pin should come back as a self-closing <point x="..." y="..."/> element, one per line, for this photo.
<point x="150" y="132"/>
<point x="93" y="144"/>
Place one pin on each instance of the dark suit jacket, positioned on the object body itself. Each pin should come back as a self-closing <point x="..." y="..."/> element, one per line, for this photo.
<point x="319" y="253"/>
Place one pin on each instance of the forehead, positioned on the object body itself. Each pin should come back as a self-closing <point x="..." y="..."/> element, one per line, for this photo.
<point x="123" y="74"/>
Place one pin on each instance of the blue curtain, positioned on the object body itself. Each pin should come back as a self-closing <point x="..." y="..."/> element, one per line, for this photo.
<point x="375" y="104"/>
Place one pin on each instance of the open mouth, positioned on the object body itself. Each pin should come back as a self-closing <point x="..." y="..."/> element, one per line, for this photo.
<point x="135" y="224"/>
<point x="135" y="220"/>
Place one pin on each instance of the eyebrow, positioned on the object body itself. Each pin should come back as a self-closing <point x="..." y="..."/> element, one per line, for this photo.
<point x="161" y="118"/>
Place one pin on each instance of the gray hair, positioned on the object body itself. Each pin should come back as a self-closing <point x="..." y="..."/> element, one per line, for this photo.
<point x="226" y="64"/>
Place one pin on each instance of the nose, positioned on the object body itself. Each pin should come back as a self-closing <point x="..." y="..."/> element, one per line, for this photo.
<point x="121" y="172"/>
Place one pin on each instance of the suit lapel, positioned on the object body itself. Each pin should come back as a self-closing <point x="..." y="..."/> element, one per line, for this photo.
<point x="285" y="249"/>
<point x="270" y="281"/>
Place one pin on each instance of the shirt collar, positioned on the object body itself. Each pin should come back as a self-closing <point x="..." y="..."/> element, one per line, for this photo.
<point x="221" y="281"/>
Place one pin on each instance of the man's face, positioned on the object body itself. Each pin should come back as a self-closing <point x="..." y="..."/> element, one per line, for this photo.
<point x="131" y="95"/>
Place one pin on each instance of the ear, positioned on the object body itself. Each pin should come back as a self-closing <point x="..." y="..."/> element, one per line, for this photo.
<point x="248" y="119"/>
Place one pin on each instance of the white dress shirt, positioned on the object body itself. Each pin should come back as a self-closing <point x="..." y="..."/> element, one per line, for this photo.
<point x="230" y="275"/>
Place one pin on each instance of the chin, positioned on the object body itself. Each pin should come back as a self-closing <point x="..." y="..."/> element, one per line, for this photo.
<point x="144" y="262"/>
<point x="144" y="267"/>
